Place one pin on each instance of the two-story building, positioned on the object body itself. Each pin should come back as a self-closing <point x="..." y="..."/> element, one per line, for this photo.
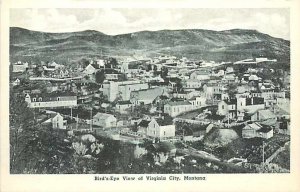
<point x="51" y="100"/>
<point x="104" y="120"/>
<point x="158" y="128"/>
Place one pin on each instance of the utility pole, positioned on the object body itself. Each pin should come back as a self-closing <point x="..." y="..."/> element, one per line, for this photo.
<point x="91" y="120"/>
<point x="228" y="120"/>
<point x="77" y="123"/>
<point x="263" y="151"/>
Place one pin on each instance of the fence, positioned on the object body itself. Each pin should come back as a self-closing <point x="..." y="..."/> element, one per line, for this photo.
<point x="269" y="159"/>
<point x="207" y="121"/>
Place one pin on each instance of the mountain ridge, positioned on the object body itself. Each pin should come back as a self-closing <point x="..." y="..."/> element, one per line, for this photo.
<point x="227" y="45"/>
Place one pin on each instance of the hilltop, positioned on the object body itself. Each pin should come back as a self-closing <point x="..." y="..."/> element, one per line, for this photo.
<point x="229" y="45"/>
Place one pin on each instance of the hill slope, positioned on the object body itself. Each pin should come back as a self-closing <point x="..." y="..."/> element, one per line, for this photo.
<point x="229" y="45"/>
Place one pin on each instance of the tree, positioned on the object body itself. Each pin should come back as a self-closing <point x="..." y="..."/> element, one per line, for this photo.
<point x="178" y="87"/>
<point x="155" y="68"/>
<point x="148" y="68"/>
<point x="100" y="76"/>
<point x="164" y="72"/>
<point x="232" y="89"/>
<point x="112" y="63"/>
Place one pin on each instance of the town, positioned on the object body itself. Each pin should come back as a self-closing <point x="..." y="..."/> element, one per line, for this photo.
<point x="164" y="114"/>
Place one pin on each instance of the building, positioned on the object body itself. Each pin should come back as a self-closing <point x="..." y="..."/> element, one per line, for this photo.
<point x="130" y="67"/>
<point x="89" y="70"/>
<point x="266" y="87"/>
<point x="19" y="67"/>
<point x="253" y="130"/>
<point x="157" y="128"/>
<point x="263" y="115"/>
<point x="104" y="120"/>
<point x="227" y="108"/>
<point x="146" y="96"/>
<point x="51" y="100"/>
<point x="284" y="127"/>
<point x="214" y="90"/>
<point x="191" y="84"/>
<point x="178" y="107"/>
<point x="198" y="101"/>
<point x="121" y="89"/>
<point x="123" y="106"/>
<point x="200" y="75"/>
<point x="248" y="105"/>
<point x="58" y="122"/>
<point x="16" y="82"/>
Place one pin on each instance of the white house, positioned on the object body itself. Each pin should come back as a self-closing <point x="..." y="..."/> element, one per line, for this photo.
<point x="176" y="108"/>
<point x="123" y="106"/>
<point x="58" y="122"/>
<point x="90" y="69"/>
<point x="104" y="120"/>
<point x="198" y="101"/>
<point x="200" y="75"/>
<point x="20" y="67"/>
<point x="16" y="82"/>
<point x="227" y="107"/>
<point x="257" y="130"/>
<point x="191" y="84"/>
<point x="159" y="129"/>
<point x="53" y="99"/>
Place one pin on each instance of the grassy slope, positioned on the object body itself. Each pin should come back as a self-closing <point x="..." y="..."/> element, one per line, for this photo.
<point x="198" y="44"/>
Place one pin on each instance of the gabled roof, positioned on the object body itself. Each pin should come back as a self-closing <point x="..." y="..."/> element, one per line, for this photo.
<point x="255" y="126"/>
<point x="178" y="103"/>
<point x="264" y="129"/>
<point x="102" y="116"/>
<point x="124" y="102"/>
<point x="148" y="94"/>
<point x="231" y="101"/>
<point x="202" y="72"/>
<point x="144" y="123"/>
<point x="266" y="113"/>
<point x="162" y="122"/>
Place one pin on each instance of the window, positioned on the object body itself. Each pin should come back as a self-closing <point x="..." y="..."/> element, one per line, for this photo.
<point x="164" y="133"/>
<point x="58" y="98"/>
<point x="222" y="106"/>
<point x="34" y="99"/>
<point x="40" y="99"/>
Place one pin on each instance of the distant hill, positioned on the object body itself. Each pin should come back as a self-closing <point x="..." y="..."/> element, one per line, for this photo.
<point x="229" y="45"/>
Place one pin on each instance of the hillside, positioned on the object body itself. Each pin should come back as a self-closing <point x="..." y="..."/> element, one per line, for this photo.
<point x="229" y="45"/>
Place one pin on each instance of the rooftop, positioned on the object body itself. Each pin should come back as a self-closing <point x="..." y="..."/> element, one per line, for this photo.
<point x="178" y="103"/>
<point x="124" y="102"/>
<point x="102" y="116"/>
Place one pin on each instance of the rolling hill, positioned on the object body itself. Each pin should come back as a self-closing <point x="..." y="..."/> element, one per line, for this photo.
<point x="229" y="45"/>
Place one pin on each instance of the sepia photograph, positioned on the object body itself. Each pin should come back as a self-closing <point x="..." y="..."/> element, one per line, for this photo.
<point x="149" y="91"/>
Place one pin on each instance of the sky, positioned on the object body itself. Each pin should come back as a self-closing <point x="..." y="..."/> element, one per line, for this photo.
<point x="275" y="21"/>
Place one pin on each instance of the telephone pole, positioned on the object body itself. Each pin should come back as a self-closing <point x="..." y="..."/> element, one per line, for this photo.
<point x="263" y="151"/>
<point x="77" y="123"/>
<point x="91" y="120"/>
